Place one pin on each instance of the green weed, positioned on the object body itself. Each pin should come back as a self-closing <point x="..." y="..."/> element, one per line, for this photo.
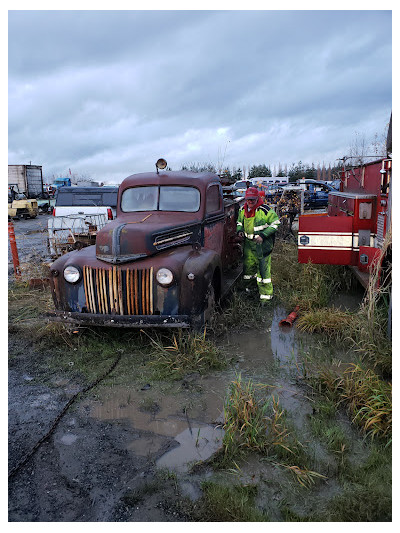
<point x="330" y="321"/>
<point x="238" y="312"/>
<point x="260" y="425"/>
<point x="229" y="504"/>
<point x="246" y="421"/>
<point x="187" y="352"/>
<point x="362" y="392"/>
<point x="308" y="285"/>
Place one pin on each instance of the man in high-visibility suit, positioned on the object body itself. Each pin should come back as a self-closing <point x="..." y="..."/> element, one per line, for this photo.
<point x="257" y="224"/>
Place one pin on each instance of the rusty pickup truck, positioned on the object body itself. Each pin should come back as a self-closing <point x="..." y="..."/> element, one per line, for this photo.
<point x="166" y="259"/>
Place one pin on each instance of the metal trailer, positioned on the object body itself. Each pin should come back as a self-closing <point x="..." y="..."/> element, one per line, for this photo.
<point x="26" y="179"/>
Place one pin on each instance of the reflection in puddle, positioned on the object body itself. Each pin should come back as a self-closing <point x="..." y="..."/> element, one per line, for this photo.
<point x="283" y="342"/>
<point x="196" y="444"/>
<point x="258" y="349"/>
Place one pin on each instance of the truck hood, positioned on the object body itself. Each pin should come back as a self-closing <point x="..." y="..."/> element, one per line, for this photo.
<point x="128" y="239"/>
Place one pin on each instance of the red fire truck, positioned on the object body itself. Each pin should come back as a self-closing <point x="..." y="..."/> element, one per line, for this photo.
<point x="353" y="230"/>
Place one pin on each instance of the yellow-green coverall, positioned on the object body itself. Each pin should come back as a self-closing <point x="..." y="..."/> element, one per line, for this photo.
<point x="257" y="257"/>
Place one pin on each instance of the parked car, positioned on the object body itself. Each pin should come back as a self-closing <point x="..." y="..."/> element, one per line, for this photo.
<point x="241" y="186"/>
<point x="315" y="193"/>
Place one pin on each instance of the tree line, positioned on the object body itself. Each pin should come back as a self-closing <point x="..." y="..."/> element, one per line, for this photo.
<point x="295" y="171"/>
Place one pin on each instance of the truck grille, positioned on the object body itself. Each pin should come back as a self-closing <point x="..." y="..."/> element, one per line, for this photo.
<point x="116" y="291"/>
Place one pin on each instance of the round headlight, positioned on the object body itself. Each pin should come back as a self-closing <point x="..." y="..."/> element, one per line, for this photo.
<point x="164" y="276"/>
<point x="71" y="274"/>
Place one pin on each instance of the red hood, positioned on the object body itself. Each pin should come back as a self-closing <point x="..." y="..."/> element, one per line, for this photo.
<point x="141" y="234"/>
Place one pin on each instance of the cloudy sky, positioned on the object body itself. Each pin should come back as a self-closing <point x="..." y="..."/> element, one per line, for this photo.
<point x="106" y="93"/>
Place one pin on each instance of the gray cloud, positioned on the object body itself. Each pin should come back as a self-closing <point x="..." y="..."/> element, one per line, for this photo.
<point x="107" y="93"/>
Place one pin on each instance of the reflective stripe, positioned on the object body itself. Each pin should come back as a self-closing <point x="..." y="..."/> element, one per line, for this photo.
<point x="250" y="235"/>
<point x="273" y="224"/>
<point x="265" y="296"/>
<point x="246" y="276"/>
<point x="266" y="280"/>
<point x="260" y="228"/>
<point x="239" y="224"/>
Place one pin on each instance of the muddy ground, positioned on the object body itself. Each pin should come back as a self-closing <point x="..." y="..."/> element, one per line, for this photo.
<point x="124" y="450"/>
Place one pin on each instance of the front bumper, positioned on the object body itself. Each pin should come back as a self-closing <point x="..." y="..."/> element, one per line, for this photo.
<point x="121" y="321"/>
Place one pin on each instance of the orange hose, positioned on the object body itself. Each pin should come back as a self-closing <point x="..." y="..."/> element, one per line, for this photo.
<point x="288" y="321"/>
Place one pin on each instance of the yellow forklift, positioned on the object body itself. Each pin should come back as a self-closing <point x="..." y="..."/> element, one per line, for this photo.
<point x="19" y="206"/>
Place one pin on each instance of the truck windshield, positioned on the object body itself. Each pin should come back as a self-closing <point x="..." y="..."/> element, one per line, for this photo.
<point x="163" y="198"/>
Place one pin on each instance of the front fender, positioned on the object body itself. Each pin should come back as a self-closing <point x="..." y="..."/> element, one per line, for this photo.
<point x="202" y="266"/>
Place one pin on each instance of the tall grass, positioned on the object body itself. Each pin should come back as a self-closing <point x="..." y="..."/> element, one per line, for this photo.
<point x="238" y="312"/>
<point x="254" y="423"/>
<point x="367" y="398"/>
<point x="184" y="352"/>
<point x="307" y="285"/>
<point x="220" y="503"/>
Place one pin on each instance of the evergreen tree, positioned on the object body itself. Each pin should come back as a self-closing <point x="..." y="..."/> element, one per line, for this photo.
<point x="237" y="174"/>
<point x="261" y="171"/>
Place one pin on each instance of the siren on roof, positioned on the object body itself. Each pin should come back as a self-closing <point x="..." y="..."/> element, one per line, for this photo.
<point x="161" y="164"/>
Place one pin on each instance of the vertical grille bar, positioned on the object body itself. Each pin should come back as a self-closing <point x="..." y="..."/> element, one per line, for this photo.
<point x="91" y="304"/>
<point x="143" y="291"/>
<point x="104" y="274"/>
<point x="136" y="293"/>
<point x="119" y="285"/>
<point x="144" y="278"/>
<point x="132" y="293"/>
<point x="111" y="292"/>
<point x="151" y="291"/>
<point x="85" y="286"/>
<point x="98" y="291"/>
<point x="128" y="292"/>
<point x="115" y="289"/>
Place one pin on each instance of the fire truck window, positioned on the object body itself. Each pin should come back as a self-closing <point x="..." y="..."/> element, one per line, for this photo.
<point x="179" y="199"/>
<point x="365" y="210"/>
<point x="140" y="199"/>
<point x="213" y="199"/>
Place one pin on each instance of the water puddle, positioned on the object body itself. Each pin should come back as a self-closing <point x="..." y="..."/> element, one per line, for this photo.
<point x="258" y="350"/>
<point x="195" y="444"/>
<point x="190" y="413"/>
